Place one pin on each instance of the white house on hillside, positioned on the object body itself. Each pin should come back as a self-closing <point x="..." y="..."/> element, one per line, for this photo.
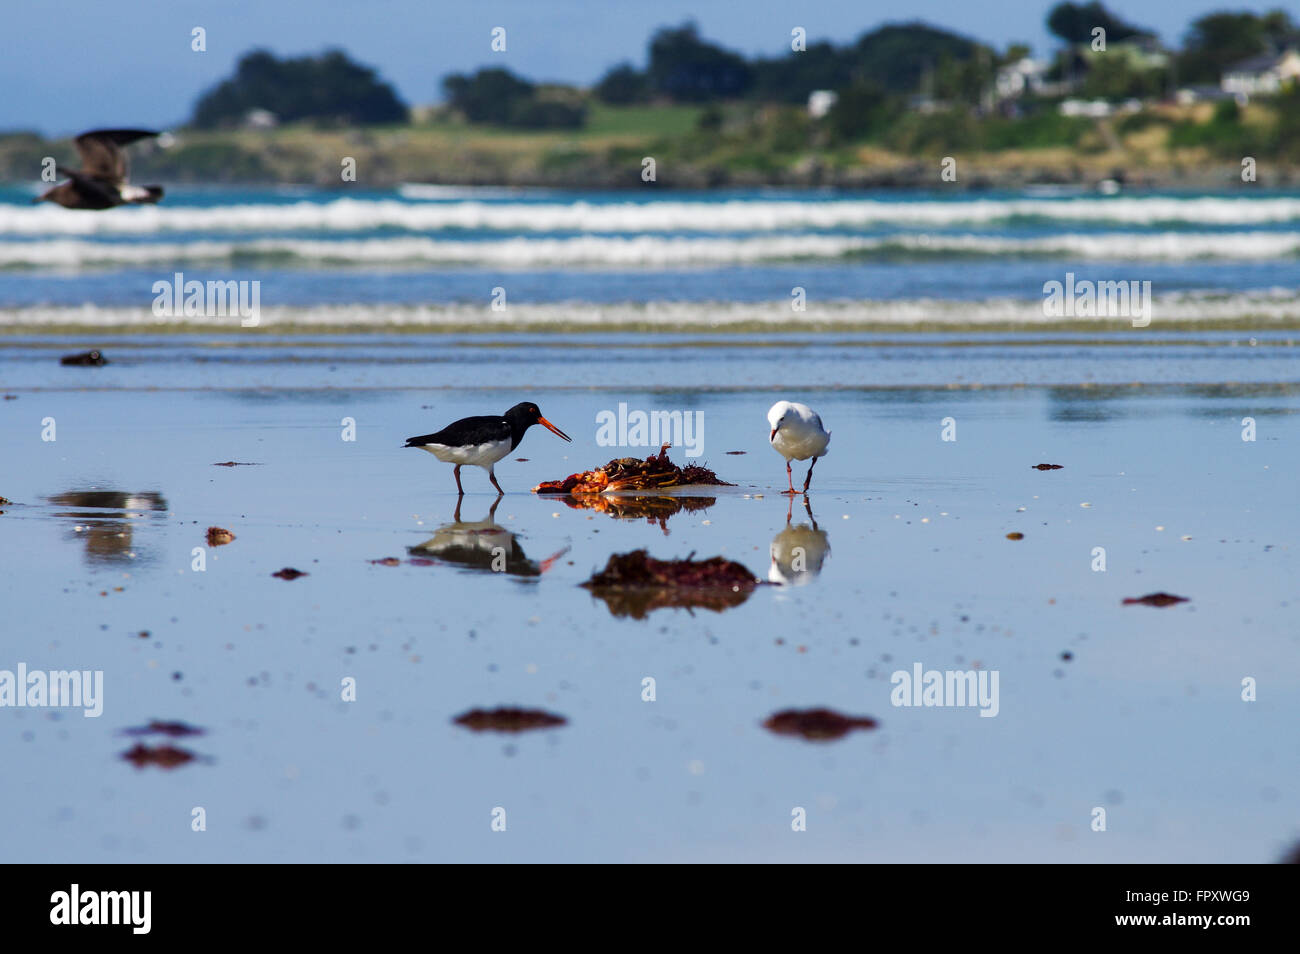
<point x="820" y="102"/>
<point x="1261" y="75"/>
<point x="1023" y="76"/>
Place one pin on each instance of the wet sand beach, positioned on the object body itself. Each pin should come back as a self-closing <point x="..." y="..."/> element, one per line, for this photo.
<point x="1132" y="708"/>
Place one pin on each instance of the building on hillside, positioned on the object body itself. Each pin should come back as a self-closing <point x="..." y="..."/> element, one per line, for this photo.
<point x="1092" y="109"/>
<point x="260" y="119"/>
<point x="1261" y="75"/>
<point x="820" y="102"/>
<point x="1022" y="77"/>
<point x="1188" y="95"/>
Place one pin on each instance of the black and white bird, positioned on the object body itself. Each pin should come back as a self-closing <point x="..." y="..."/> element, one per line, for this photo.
<point x="797" y="434"/>
<point x="483" y="440"/>
<point x="102" y="181"/>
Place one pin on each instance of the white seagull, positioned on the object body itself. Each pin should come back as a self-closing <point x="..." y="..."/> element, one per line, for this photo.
<point x="797" y="434"/>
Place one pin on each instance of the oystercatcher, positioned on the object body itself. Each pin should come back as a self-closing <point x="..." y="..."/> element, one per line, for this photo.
<point x="483" y="440"/>
<point x="797" y="434"/>
<point x="101" y="182"/>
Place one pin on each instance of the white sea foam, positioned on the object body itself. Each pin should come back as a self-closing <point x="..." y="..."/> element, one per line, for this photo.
<point x="647" y="251"/>
<point x="612" y="218"/>
<point x="1264" y="307"/>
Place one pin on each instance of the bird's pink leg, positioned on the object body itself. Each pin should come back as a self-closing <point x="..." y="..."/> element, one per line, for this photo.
<point x="808" y="480"/>
<point x="459" y="489"/>
<point x="492" y="475"/>
<point x="789" y="476"/>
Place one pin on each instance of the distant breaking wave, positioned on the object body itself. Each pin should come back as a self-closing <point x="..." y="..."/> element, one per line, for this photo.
<point x="613" y="218"/>
<point x="1278" y="308"/>
<point x="646" y="251"/>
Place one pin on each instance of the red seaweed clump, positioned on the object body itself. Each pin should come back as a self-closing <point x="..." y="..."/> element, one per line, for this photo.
<point x="627" y="474"/>
<point x="1048" y="466"/>
<point x="288" y="573"/>
<point x="1155" y="599"/>
<point x="163" y="756"/>
<point x="817" y="725"/>
<point x="508" y="719"/>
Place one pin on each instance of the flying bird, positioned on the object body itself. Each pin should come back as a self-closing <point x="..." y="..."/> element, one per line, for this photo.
<point x="102" y="182"/>
<point x="483" y="440"/>
<point x="797" y="434"/>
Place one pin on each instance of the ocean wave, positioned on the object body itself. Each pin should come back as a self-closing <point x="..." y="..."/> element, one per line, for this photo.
<point x="647" y="251"/>
<point x="1277" y="308"/>
<point x="612" y="218"/>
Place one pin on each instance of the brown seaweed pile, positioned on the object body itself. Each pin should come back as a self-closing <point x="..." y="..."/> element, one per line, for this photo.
<point x="219" y="536"/>
<point x="163" y="756"/>
<point x="288" y="573"/>
<point x="1048" y="466"/>
<point x="1155" y="599"/>
<point x="817" y="725"/>
<point x="635" y="584"/>
<point x="508" y="719"/>
<point x="626" y="474"/>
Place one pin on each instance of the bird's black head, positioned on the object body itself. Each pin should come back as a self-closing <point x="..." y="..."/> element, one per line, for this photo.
<point x="525" y="414"/>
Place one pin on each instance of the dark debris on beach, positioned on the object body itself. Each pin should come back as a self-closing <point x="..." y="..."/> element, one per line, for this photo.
<point x="162" y="756"/>
<point x="173" y="730"/>
<point x="508" y="719"/>
<point x="86" y="359"/>
<point x="1155" y="599"/>
<point x="816" y="725"/>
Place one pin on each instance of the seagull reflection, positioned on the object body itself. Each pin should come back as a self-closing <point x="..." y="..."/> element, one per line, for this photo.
<point x="109" y="537"/>
<point x="798" y="552"/>
<point x="480" y="545"/>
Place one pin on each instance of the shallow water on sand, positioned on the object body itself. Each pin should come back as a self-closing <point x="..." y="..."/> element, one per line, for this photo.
<point x="1145" y="719"/>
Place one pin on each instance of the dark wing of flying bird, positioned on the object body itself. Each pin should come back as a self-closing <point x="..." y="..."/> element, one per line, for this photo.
<point x="102" y="155"/>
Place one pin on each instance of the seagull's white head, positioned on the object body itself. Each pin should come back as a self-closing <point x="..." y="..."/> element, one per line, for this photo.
<point x="776" y="417"/>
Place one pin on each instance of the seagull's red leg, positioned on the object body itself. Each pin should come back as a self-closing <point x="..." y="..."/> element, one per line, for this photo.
<point x="789" y="477"/>
<point x="492" y="475"/>
<point x="459" y="488"/>
<point x="808" y="480"/>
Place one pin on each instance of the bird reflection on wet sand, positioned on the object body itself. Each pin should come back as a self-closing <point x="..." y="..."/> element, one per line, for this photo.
<point x="480" y="545"/>
<point x="798" y="551"/>
<point x="109" y="537"/>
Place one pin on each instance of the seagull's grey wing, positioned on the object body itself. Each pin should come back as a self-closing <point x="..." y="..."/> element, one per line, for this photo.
<point x="101" y="151"/>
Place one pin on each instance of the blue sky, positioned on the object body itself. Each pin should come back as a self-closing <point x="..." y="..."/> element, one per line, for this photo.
<point x="75" y="64"/>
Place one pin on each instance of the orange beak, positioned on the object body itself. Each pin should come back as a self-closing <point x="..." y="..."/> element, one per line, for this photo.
<point x="773" y="437"/>
<point x="553" y="429"/>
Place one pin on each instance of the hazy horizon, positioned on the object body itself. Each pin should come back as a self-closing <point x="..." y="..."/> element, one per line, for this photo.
<point x="73" y="78"/>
